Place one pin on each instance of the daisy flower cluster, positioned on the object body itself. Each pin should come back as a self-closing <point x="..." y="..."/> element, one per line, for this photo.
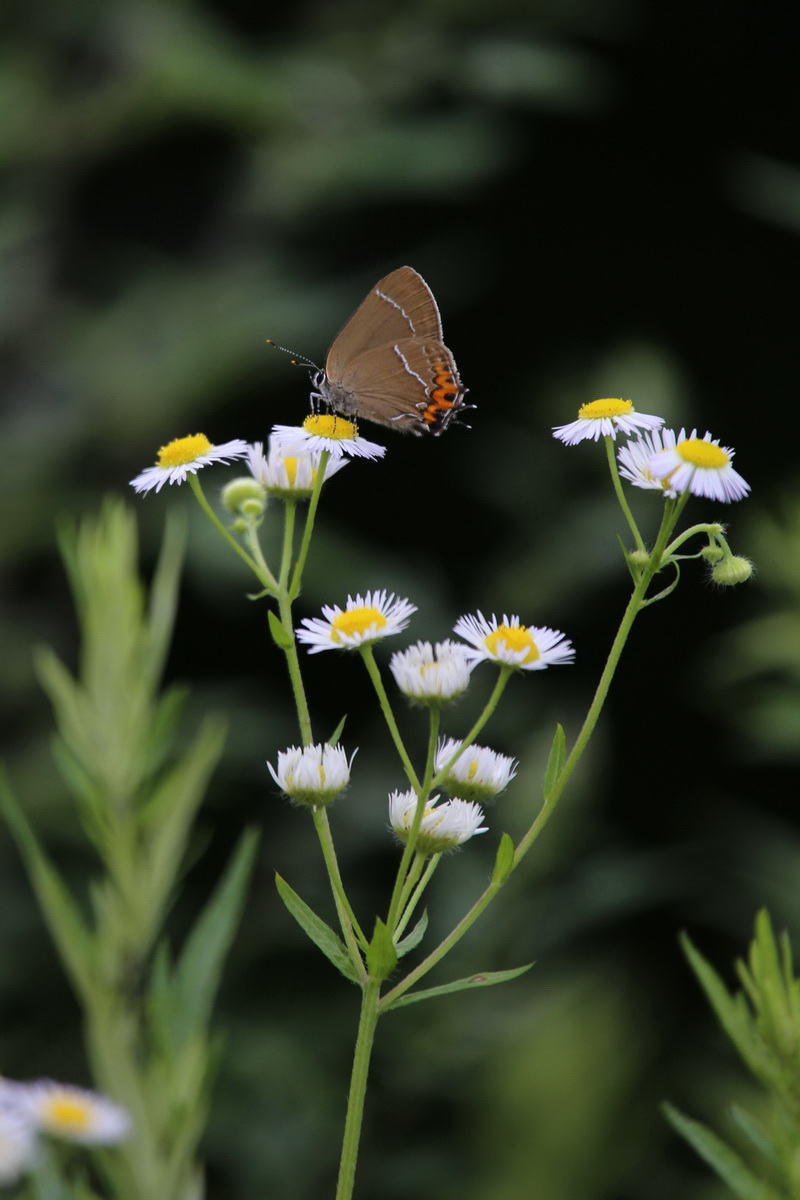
<point x="59" y="1110"/>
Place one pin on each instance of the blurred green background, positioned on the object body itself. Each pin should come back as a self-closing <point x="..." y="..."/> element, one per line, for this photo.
<point x="604" y="196"/>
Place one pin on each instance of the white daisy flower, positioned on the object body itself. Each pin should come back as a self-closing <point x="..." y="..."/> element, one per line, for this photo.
<point x="431" y="675"/>
<point x="605" y="418"/>
<point x="634" y="461"/>
<point x="527" y="647"/>
<point x="17" y="1143"/>
<point x="326" y="431"/>
<point x="363" y="620"/>
<point x="288" y="476"/>
<point x="702" y="466"/>
<point x="72" y="1113"/>
<point x="313" y="775"/>
<point x="477" y="774"/>
<point x="185" y="456"/>
<point x="443" y="826"/>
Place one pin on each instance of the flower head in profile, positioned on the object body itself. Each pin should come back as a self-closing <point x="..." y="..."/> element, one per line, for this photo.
<point x="363" y="620"/>
<point x="443" y="826"/>
<point x="432" y="675"/>
<point x="185" y="456"/>
<point x="326" y="431"/>
<point x="634" y="461"/>
<point x="313" y="775"/>
<point x="477" y="774"/>
<point x="509" y="642"/>
<point x="700" y="465"/>
<point x="288" y="476"/>
<point x="605" y="418"/>
<point x="72" y="1113"/>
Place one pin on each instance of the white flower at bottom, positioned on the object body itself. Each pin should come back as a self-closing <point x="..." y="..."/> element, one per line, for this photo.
<point x="477" y="774"/>
<point x="185" y="456"/>
<point x="17" y="1143"/>
<point x="527" y="647"/>
<point x="432" y="676"/>
<point x="326" y="431"/>
<point x="605" y="418"/>
<point x="363" y="620"/>
<point x="312" y="775"/>
<point x="443" y="826"/>
<point x="702" y="466"/>
<point x="72" y="1113"/>
<point x="288" y="476"/>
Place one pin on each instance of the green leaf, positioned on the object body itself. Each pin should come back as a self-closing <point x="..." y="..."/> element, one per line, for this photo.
<point x="504" y="860"/>
<point x="727" y="1164"/>
<point x="757" y="1134"/>
<point x="381" y="954"/>
<point x="333" y="740"/>
<point x="414" y="938"/>
<point x="555" y="761"/>
<point x="199" y="967"/>
<point x="461" y="985"/>
<point x="278" y="630"/>
<point x="321" y="934"/>
<point x="732" y="1011"/>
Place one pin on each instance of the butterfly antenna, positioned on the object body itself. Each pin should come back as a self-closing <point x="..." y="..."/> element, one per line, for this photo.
<point x="297" y="359"/>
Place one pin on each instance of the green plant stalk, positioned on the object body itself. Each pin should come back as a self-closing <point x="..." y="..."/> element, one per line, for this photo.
<point x="351" y="930"/>
<point x="358" y="1089"/>
<point x="294" y="589"/>
<point x="620" y="494"/>
<point x="266" y="579"/>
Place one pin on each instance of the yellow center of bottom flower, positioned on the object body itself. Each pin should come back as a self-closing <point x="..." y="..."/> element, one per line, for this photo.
<point x="515" y="637"/>
<point x="356" y="620"/>
<point x="183" y="450"/>
<point x="68" y="1114"/>
<point x="330" y="425"/>
<point x="605" y="408"/>
<point x="700" y="453"/>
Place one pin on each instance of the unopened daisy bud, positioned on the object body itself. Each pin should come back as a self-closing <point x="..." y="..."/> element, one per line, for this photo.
<point x="605" y="418"/>
<point x="244" y="496"/>
<point x="363" y="620"/>
<point x="312" y="775"/>
<point x="478" y="773"/>
<point x="73" y="1113"/>
<point x="732" y="571"/>
<point x="443" y="826"/>
<point x="17" y="1143"/>
<point x="509" y="642"/>
<point x="712" y="553"/>
<point x="432" y="676"/>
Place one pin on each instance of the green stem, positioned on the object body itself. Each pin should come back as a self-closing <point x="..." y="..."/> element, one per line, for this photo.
<point x="263" y="574"/>
<point x="623" y="503"/>
<point x="297" y="576"/>
<point x="347" y="918"/>
<point x="491" y="704"/>
<point x="358" y="1089"/>
<point x="386" y="708"/>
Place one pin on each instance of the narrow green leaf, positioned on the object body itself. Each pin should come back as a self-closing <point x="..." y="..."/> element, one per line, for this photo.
<point x="279" y="635"/>
<point x="333" y="740"/>
<point x="731" y="1010"/>
<point x="488" y="979"/>
<point x="727" y="1164"/>
<point x="414" y="938"/>
<point x="504" y="860"/>
<point x="555" y="761"/>
<point x="321" y="934"/>
<point x="381" y="954"/>
<point x="200" y="965"/>
<point x="757" y="1134"/>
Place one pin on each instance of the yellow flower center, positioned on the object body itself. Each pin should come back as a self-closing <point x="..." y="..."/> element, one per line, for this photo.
<point x="329" y="425"/>
<point x="700" y="453"/>
<point x="473" y="766"/>
<point x="67" y="1113"/>
<point x="291" y="470"/>
<point x="184" y="450"/>
<point x="605" y="408"/>
<point x="515" y="637"/>
<point x="356" y="620"/>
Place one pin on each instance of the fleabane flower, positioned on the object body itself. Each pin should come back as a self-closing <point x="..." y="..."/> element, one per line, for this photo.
<point x="443" y="826"/>
<point x="326" y="431"/>
<point x="432" y="675"/>
<point x="605" y="418"/>
<point x="313" y="775"/>
<point x="288" y="476"/>
<point x="478" y="773"/>
<point x="17" y="1143"/>
<point x="700" y="465"/>
<point x="72" y="1113"/>
<point x="526" y="647"/>
<point x="363" y="620"/>
<point x="634" y="461"/>
<point x="185" y="456"/>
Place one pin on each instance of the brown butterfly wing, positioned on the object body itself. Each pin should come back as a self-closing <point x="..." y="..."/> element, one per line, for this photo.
<point x="400" y="306"/>
<point x="410" y="385"/>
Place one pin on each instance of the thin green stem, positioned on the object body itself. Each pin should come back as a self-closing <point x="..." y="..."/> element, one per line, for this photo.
<point x="351" y="930"/>
<point x="261" y="572"/>
<point x="623" y="503"/>
<point x="488" y="709"/>
<point x="358" y="1089"/>
<point x="299" y="566"/>
<point x="409" y="906"/>
<point x="386" y="708"/>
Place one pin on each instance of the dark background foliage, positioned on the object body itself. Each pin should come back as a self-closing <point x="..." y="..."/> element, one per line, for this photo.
<point x="605" y="199"/>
